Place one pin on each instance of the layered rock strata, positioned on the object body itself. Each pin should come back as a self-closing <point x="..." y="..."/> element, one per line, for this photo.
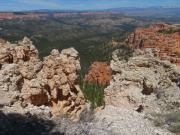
<point x="163" y="37"/>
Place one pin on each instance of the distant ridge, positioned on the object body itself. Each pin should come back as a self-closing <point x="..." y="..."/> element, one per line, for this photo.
<point x="150" y="11"/>
<point x="132" y="11"/>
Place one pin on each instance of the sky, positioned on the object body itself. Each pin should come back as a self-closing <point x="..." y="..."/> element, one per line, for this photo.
<point x="19" y="5"/>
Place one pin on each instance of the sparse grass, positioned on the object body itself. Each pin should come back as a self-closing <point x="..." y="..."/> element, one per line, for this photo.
<point x="93" y="92"/>
<point x="170" y="119"/>
<point x="159" y="120"/>
<point x="173" y="120"/>
<point x="124" y="52"/>
<point x="175" y="128"/>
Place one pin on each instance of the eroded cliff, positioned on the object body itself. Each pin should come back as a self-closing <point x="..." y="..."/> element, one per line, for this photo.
<point x="163" y="37"/>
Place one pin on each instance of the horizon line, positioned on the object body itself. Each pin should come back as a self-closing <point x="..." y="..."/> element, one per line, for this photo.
<point x="41" y="9"/>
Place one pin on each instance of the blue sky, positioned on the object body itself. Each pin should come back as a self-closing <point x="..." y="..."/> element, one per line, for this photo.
<point x="17" y="5"/>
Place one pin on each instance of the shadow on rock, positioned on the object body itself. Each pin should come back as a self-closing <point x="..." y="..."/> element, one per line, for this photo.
<point x="17" y="124"/>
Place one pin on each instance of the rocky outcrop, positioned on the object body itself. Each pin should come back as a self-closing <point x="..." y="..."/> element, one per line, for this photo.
<point x="12" y="53"/>
<point x="31" y="87"/>
<point x="100" y="73"/>
<point x="59" y="75"/>
<point x="163" y="37"/>
<point x="17" y="65"/>
<point x="143" y="83"/>
<point x="51" y="82"/>
<point x="110" y="121"/>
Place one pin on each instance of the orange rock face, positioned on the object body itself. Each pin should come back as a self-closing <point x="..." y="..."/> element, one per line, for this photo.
<point x="99" y="72"/>
<point x="167" y="44"/>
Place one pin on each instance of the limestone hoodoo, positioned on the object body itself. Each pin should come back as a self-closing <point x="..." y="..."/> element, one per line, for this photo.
<point x="28" y="81"/>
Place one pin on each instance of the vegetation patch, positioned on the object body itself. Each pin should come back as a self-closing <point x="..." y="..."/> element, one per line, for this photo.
<point x="171" y="120"/>
<point x="93" y="92"/>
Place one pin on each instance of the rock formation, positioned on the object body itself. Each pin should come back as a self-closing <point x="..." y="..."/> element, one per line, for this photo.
<point x="31" y="87"/>
<point x="163" y="37"/>
<point x="26" y="80"/>
<point x="99" y="72"/>
<point x="143" y="83"/>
